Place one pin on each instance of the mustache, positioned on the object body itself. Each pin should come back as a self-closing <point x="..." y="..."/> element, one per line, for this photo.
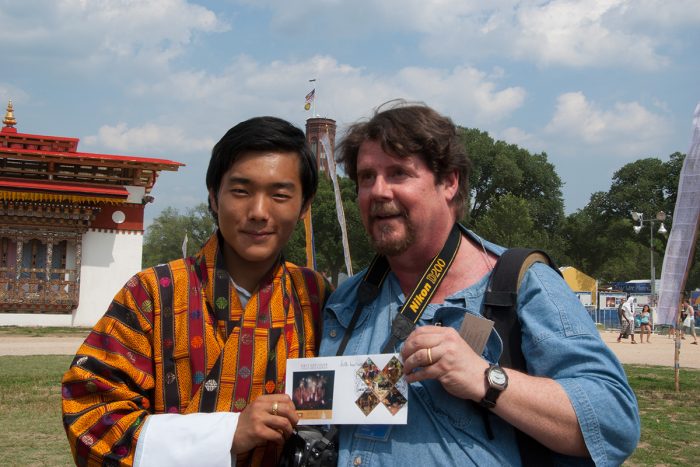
<point x="386" y="209"/>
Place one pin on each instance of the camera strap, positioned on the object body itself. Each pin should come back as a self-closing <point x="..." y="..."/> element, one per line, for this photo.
<point x="412" y="309"/>
<point x="414" y="306"/>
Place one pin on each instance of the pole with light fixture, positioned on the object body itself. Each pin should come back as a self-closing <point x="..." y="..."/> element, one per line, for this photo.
<point x="660" y="217"/>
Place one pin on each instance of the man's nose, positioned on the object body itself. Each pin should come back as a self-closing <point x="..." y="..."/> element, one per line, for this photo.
<point x="380" y="188"/>
<point x="259" y="207"/>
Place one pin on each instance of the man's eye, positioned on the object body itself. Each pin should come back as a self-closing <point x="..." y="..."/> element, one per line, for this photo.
<point x="365" y="177"/>
<point x="281" y="196"/>
<point x="239" y="191"/>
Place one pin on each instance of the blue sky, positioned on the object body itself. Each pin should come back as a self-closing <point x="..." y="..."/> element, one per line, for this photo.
<point x="593" y="83"/>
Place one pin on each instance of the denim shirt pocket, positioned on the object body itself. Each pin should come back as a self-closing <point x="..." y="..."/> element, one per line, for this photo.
<point x="336" y="320"/>
<point x="453" y="317"/>
<point x="458" y="412"/>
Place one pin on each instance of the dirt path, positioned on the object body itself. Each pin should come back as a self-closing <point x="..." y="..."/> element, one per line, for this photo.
<point x="658" y="352"/>
<point x="44" y="345"/>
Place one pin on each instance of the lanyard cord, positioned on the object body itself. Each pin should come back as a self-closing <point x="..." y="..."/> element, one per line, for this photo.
<point x="412" y="309"/>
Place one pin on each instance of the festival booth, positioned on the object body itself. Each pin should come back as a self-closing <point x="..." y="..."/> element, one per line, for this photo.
<point x="609" y="301"/>
<point x="584" y="286"/>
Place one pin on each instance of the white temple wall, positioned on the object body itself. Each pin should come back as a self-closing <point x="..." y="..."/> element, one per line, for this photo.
<point x="109" y="260"/>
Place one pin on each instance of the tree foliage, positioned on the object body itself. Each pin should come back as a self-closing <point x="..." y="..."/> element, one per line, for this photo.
<point x="515" y="196"/>
<point x="164" y="237"/>
<point x="327" y="235"/>
<point x="600" y="239"/>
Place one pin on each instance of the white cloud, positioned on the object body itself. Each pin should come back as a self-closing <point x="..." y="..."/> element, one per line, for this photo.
<point x="94" y="32"/>
<point x="149" y="139"/>
<point x="628" y="129"/>
<point x="521" y="138"/>
<point x="250" y="87"/>
<point x="573" y="33"/>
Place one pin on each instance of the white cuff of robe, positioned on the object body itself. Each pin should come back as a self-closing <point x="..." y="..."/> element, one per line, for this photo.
<point x="185" y="440"/>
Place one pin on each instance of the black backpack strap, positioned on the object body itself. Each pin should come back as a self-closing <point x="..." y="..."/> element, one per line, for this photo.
<point x="500" y="306"/>
<point x="501" y="300"/>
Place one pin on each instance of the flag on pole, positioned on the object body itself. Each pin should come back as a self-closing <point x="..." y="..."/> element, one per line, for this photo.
<point x="184" y="246"/>
<point x="309" y="99"/>
<point x="310" y="247"/>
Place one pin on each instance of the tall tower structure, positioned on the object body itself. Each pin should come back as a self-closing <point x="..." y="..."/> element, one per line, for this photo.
<point x="320" y="133"/>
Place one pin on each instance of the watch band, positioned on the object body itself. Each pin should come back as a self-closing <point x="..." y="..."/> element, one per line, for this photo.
<point x="494" y="390"/>
<point x="489" y="400"/>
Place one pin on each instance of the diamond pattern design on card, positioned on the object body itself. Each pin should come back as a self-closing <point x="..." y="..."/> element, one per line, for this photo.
<point x="381" y="386"/>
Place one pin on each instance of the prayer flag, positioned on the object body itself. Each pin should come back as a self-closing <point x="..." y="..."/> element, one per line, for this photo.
<point x="184" y="246"/>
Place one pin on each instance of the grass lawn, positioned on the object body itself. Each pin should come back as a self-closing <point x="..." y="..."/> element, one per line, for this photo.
<point x="39" y="331"/>
<point x="32" y="433"/>
<point x="30" y="411"/>
<point x="669" y="419"/>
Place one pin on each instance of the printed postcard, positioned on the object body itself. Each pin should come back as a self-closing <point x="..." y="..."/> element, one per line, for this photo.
<point x="350" y="390"/>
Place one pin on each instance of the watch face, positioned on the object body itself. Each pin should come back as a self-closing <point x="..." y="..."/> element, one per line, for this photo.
<point x="497" y="377"/>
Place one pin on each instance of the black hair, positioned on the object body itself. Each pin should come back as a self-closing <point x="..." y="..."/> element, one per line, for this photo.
<point x="262" y="134"/>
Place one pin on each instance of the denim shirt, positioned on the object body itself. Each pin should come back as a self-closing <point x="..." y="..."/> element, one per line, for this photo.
<point x="559" y="341"/>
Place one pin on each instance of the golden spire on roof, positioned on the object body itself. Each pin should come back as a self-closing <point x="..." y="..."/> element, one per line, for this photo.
<point x="9" y="119"/>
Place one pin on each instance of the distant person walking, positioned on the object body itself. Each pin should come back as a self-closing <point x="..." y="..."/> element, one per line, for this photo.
<point x="688" y="317"/>
<point x="626" y="315"/>
<point x="646" y="324"/>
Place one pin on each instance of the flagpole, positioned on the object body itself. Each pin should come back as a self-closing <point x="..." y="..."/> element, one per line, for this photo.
<point x="313" y="102"/>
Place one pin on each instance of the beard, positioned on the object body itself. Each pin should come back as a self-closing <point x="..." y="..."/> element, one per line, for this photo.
<point x="388" y="238"/>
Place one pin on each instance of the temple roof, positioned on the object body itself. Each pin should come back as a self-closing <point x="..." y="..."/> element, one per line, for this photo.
<point x="56" y="160"/>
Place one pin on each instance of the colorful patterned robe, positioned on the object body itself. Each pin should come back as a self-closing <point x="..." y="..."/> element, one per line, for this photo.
<point x="176" y="340"/>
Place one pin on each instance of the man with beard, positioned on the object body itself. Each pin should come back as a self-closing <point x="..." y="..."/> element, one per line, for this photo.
<point x="411" y="171"/>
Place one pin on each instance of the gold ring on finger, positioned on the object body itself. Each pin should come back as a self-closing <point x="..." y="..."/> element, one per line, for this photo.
<point x="275" y="406"/>
<point x="430" y="356"/>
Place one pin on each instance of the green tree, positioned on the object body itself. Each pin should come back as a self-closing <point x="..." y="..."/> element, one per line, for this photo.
<point x="600" y="238"/>
<point x="515" y="196"/>
<point x="164" y="237"/>
<point x="327" y="235"/>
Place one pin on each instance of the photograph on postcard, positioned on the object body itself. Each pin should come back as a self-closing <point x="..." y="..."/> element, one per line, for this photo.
<point x="355" y="389"/>
<point x="313" y="394"/>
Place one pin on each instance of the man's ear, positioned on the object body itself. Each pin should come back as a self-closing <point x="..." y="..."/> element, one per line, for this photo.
<point x="450" y="184"/>
<point x="305" y="209"/>
<point x="212" y="202"/>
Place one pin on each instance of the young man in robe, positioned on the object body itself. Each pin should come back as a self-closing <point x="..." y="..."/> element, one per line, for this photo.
<point x="187" y="367"/>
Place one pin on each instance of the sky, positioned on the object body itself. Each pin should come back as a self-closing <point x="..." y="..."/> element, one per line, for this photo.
<point x="594" y="84"/>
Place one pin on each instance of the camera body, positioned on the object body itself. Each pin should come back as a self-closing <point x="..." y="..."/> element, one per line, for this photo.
<point x="311" y="447"/>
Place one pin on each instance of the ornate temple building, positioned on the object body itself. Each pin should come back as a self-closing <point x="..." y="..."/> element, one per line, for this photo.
<point x="71" y="226"/>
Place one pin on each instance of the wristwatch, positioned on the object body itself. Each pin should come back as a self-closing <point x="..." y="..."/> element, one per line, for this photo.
<point x="497" y="380"/>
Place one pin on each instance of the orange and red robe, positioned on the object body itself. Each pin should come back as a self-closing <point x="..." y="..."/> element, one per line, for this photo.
<point x="177" y="340"/>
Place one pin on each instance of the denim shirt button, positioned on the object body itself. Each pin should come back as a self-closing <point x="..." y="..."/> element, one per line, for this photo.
<point x="357" y="461"/>
<point x="333" y="333"/>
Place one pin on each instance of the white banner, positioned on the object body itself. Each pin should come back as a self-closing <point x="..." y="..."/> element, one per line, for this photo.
<point x="325" y="142"/>
<point x="681" y="242"/>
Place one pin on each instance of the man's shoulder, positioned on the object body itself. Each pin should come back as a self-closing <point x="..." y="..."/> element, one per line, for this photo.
<point x="171" y="268"/>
